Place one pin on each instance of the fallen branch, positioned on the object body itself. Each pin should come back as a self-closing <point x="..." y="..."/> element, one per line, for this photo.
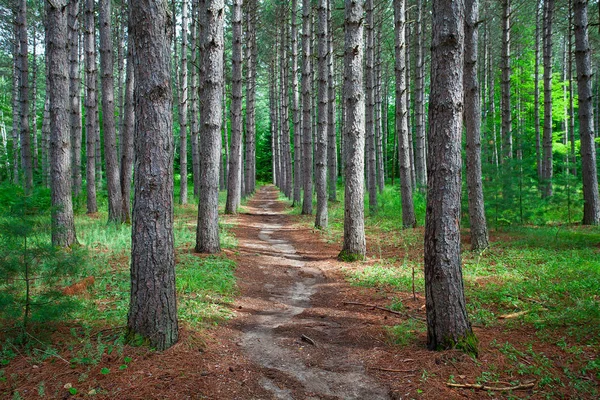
<point x="514" y="315"/>
<point x="308" y="340"/>
<point x="355" y="303"/>
<point x="478" y="386"/>
<point x="395" y="370"/>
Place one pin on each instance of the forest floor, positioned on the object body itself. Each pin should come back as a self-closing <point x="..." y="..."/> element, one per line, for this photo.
<point x="304" y="327"/>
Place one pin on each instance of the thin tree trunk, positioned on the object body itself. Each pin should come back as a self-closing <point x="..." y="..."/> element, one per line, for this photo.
<point x="34" y="96"/>
<point x="420" y="143"/>
<point x="472" y="117"/>
<point x="331" y="133"/>
<point x="250" y="139"/>
<point x="23" y="62"/>
<point x="194" y="122"/>
<point x="583" y="59"/>
<point x="354" y="247"/>
<point x="547" y="138"/>
<point x="378" y="102"/>
<point x="296" y="109"/>
<point x="234" y="185"/>
<point x="572" y="156"/>
<point x="113" y="184"/>
<point x="63" y="226"/>
<point x="285" y="114"/>
<point x="536" y="100"/>
<point x="408" y="208"/>
<point x="153" y="307"/>
<point x="74" y="94"/>
<point x="91" y="105"/>
<point x="370" y="109"/>
<point x="410" y="124"/>
<point x="183" y="107"/>
<point x="447" y="321"/>
<point x="127" y="133"/>
<point x="506" y="132"/>
<point x="323" y="96"/>
<point x="46" y="141"/>
<point x="307" y="158"/>
<point x="16" y="118"/>
<point x="207" y="234"/>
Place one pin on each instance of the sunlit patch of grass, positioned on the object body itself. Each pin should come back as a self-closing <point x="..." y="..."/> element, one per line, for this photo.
<point x="406" y="332"/>
<point x="389" y="275"/>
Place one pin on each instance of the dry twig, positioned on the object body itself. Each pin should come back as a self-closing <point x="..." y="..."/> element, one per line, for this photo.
<point x="521" y="386"/>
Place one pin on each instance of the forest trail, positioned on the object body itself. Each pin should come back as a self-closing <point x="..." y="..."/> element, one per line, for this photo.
<point x="301" y="352"/>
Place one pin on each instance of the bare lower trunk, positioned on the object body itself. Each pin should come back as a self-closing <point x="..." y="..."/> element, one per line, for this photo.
<point x="547" y="139"/>
<point x="331" y="134"/>
<point x="234" y="186"/>
<point x="113" y="184"/>
<point x="447" y="321"/>
<point x="296" y="109"/>
<point x="285" y="114"/>
<point x="408" y="208"/>
<point x="321" y="145"/>
<point x="183" y="107"/>
<point x="153" y="306"/>
<point x="63" y="226"/>
<point x="420" y="144"/>
<point x="472" y="118"/>
<point x="538" y="147"/>
<point x="74" y="94"/>
<point x="127" y="133"/>
<point x="250" y="139"/>
<point x="591" y="206"/>
<point x="91" y="105"/>
<point x="506" y="132"/>
<point x="207" y="234"/>
<point x="370" y="110"/>
<point x="307" y="158"/>
<point x="26" y="161"/>
<point x="354" y="247"/>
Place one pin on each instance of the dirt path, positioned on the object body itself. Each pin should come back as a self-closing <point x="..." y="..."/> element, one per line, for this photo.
<point x="301" y="353"/>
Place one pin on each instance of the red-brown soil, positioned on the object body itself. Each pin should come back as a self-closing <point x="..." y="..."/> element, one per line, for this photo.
<point x="294" y="336"/>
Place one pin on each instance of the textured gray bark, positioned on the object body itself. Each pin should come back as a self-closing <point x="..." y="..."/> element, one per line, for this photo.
<point x="370" y="109"/>
<point x="583" y="60"/>
<point x="234" y="184"/>
<point x="127" y="135"/>
<point x="74" y="94"/>
<point x="378" y="102"/>
<point x="23" y="63"/>
<point x="331" y="134"/>
<point x="63" y="226"/>
<point x="91" y="104"/>
<point x="194" y="122"/>
<point x="34" y="96"/>
<point x="307" y="155"/>
<point x="447" y="321"/>
<point x="413" y="174"/>
<point x="285" y="114"/>
<point x="479" y="231"/>
<point x="547" y="137"/>
<point x="153" y="307"/>
<point x="183" y="107"/>
<point x="506" y="132"/>
<point x="113" y="184"/>
<point x="296" y="108"/>
<point x="536" y="98"/>
<point x="250" y="137"/>
<point x="408" y="208"/>
<point x="207" y="233"/>
<point x="355" y="246"/>
<point x="572" y="158"/>
<point x="323" y="103"/>
<point x="16" y="131"/>
<point x="420" y="145"/>
<point x="46" y="141"/>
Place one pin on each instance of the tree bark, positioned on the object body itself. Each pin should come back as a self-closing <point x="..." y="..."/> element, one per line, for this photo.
<point x="113" y="184"/>
<point x="207" y="234"/>
<point x="250" y="139"/>
<point x="547" y="138"/>
<point x="153" y="307"/>
<point x="472" y="117"/>
<point x="331" y="134"/>
<point x="307" y="155"/>
<point x="296" y="109"/>
<point x="91" y="105"/>
<point x="234" y="184"/>
<point x="354" y="247"/>
<point x="127" y="133"/>
<point x="420" y="143"/>
<point x="63" y="226"/>
<point x="583" y="60"/>
<point x="194" y="121"/>
<point x="536" y="100"/>
<point x="506" y="131"/>
<point x="183" y="107"/>
<point x="323" y="112"/>
<point x="408" y="208"/>
<point x="16" y="117"/>
<point x="23" y="63"/>
<point x="370" y="109"/>
<point x="285" y="114"/>
<point x="447" y="321"/>
<point x="74" y="93"/>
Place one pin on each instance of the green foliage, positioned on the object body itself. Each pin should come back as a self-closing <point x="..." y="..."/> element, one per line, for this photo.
<point x="405" y="333"/>
<point x="33" y="270"/>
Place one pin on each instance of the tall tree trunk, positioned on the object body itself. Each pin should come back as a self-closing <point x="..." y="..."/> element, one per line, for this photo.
<point x="370" y="109"/>
<point x="91" y="104"/>
<point x="472" y="117"/>
<point x="16" y="118"/>
<point x="307" y="158"/>
<point x="127" y="133"/>
<point x="547" y="138"/>
<point x="74" y="94"/>
<point x="583" y="60"/>
<point x="207" y="234"/>
<point x="420" y="143"/>
<point x="447" y="321"/>
<point x="194" y="122"/>
<point x="46" y="141"/>
<point x="323" y="93"/>
<point x="234" y="184"/>
<point x="408" y="208"/>
<point x="331" y="134"/>
<point x="296" y="109"/>
<point x="63" y="225"/>
<point x="285" y="114"/>
<point x="26" y="161"/>
<point x="411" y="147"/>
<point x="354" y="247"/>
<point x="153" y="307"/>
<point x="183" y="107"/>
<point x="506" y="132"/>
<point x="225" y="151"/>
<point x="113" y="184"/>
<point x="34" y="96"/>
<point x="250" y="139"/>
<point x="536" y="100"/>
<point x="572" y="157"/>
<point x="378" y="102"/>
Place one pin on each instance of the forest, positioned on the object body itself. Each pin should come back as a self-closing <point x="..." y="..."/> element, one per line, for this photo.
<point x="299" y="199"/>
